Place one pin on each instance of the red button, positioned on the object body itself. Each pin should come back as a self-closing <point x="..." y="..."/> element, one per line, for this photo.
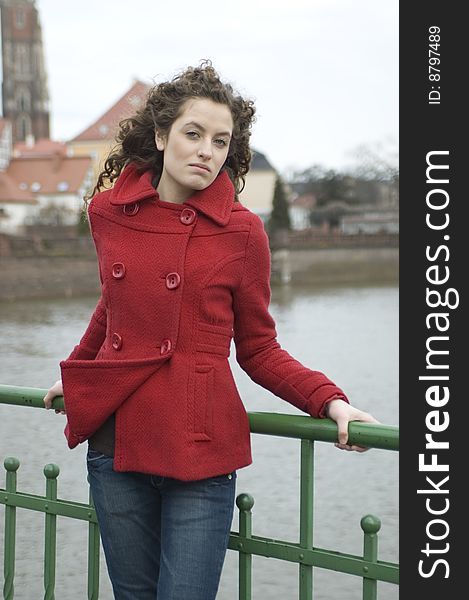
<point x="131" y="209"/>
<point x="116" y="341"/>
<point x="165" y="346"/>
<point x="187" y="216"/>
<point x="173" y="280"/>
<point x="118" y="270"/>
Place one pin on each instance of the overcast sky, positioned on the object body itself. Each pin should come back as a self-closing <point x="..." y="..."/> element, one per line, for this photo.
<point x="323" y="73"/>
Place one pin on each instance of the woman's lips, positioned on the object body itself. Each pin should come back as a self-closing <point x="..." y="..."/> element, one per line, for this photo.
<point x="200" y="168"/>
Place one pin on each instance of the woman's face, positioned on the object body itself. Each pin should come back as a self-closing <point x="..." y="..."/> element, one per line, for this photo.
<point x="194" y="149"/>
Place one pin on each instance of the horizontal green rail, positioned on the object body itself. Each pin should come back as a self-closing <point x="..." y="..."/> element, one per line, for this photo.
<point x="293" y="426"/>
<point x="317" y="557"/>
<point x="368" y="567"/>
<point x="63" y="508"/>
<point x="301" y="427"/>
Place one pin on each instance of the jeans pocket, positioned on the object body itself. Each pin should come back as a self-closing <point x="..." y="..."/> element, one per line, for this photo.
<point x="93" y="456"/>
<point x="225" y="479"/>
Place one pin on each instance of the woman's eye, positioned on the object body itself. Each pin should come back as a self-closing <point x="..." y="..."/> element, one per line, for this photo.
<point x="192" y="134"/>
<point x="220" y="142"/>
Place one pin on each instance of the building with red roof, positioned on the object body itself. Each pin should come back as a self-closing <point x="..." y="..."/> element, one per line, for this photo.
<point x="16" y="205"/>
<point x="40" y="183"/>
<point x="41" y="147"/>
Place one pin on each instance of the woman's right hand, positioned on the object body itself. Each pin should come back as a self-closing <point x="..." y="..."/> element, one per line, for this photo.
<point x="53" y="391"/>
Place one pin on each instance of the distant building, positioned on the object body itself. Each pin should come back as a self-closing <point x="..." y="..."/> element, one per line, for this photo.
<point x="258" y="193"/>
<point x="384" y="221"/>
<point x="364" y="206"/>
<point x="40" y="184"/>
<point x="300" y="210"/>
<point x="16" y="205"/>
<point x="377" y="212"/>
<point x="41" y="147"/>
<point x="25" y="96"/>
<point x="5" y="143"/>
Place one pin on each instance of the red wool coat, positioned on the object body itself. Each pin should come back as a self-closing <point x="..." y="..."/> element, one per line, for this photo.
<point x="179" y="281"/>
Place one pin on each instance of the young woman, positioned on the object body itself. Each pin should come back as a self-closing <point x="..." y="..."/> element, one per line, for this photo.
<point x="184" y="268"/>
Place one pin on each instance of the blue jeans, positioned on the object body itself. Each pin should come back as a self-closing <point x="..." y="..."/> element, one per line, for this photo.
<point x="163" y="539"/>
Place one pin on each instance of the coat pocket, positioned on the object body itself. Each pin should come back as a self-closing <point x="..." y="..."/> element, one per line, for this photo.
<point x="202" y="409"/>
<point x="95" y="389"/>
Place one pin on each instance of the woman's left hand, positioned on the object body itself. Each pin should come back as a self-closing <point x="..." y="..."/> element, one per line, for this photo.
<point x="342" y="413"/>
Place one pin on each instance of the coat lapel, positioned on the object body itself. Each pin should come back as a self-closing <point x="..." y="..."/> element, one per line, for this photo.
<point x="215" y="201"/>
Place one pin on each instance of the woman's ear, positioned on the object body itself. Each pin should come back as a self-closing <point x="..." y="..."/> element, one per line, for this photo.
<point x="160" y="141"/>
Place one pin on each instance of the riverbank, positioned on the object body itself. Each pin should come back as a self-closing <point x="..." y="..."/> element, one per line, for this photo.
<point x="30" y="277"/>
<point x="335" y="266"/>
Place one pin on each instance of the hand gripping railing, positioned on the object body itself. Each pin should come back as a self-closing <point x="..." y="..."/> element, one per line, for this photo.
<point x="304" y="428"/>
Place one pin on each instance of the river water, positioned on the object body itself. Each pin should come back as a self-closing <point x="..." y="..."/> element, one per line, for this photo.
<point x="349" y="333"/>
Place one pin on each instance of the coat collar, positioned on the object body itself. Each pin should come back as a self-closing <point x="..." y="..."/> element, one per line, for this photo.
<point x="215" y="201"/>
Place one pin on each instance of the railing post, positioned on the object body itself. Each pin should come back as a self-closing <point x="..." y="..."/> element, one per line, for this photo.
<point x="370" y="526"/>
<point x="93" y="557"/>
<point x="51" y="472"/>
<point x="11" y="465"/>
<point x="245" y="502"/>
<point x="306" y="516"/>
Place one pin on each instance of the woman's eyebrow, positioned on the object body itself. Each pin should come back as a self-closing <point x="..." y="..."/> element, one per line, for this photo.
<point x="202" y="128"/>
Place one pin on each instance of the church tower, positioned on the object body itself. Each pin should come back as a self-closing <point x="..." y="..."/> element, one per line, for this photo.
<point x="25" y="97"/>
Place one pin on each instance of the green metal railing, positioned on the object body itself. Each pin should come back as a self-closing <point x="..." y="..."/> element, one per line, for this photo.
<point x="308" y="430"/>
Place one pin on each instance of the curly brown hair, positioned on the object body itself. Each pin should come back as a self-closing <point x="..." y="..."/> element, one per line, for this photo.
<point x="164" y="102"/>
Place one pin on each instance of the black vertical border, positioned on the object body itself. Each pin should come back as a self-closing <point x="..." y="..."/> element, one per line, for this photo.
<point x="424" y="128"/>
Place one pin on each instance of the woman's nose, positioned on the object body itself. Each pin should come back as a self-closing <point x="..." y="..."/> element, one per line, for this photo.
<point x="205" y="149"/>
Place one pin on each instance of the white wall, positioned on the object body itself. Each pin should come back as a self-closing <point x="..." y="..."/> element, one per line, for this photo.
<point x="13" y="216"/>
<point x="258" y="193"/>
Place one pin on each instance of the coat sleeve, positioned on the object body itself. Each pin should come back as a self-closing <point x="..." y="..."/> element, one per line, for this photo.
<point x="257" y="350"/>
<point x="94" y="335"/>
